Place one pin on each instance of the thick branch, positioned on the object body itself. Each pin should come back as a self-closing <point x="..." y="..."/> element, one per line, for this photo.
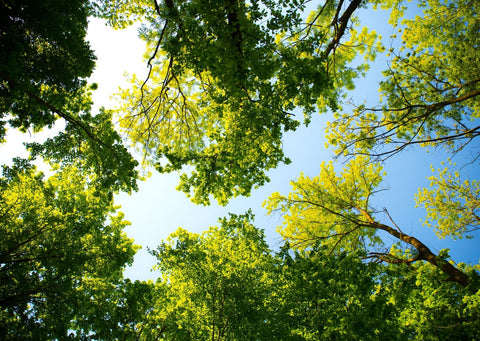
<point x="426" y="254"/>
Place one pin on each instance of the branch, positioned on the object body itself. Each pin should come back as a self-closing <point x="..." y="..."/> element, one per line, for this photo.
<point x="149" y="63"/>
<point x="473" y="132"/>
<point x="424" y="253"/>
<point x="405" y="119"/>
<point x="389" y="258"/>
<point x="76" y="123"/>
<point x="393" y="222"/>
<point x="343" y="20"/>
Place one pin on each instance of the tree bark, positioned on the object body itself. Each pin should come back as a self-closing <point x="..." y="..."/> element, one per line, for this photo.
<point x="424" y="253"/>
<point x="343" y="20"/>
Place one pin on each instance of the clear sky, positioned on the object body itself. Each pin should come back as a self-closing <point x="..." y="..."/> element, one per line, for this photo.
<point x="157" y="209"/>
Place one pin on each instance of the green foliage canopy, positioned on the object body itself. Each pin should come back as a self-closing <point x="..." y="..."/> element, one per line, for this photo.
<point x="59" y="236"/>
<point x="44" y="59"/>
<point x="216" y="281"/>
<point x="224" y="78"/>
<point x="430" y="92"/>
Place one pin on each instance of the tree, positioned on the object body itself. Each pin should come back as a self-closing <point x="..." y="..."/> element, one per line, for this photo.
<point x="60" y="236"/>
<point x="224" y="79"/>
<point x="62" y="240"/>
<point x="45" y="61"/>
<point x="432" y="297"/>
<point x="216" y="282"/>
<point x="337" y="211"/>
<point x="430" y="99"/>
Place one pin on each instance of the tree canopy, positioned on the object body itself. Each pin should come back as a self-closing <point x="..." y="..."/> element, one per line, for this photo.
<point x="60" y="236"/>
<point x="225" y="81"/>
<point x="429" y="95"/>
<point x="45" y="63"/>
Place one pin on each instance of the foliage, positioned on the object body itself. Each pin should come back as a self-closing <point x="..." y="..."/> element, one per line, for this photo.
<point x="320" y="295"/>
<point x="44" y="59"/>
<point x="336" y="211"/>
<point x="430" y="91"/>
<point x="43" y="78"/>
<point x="58" y="235"/>
<point x="452" y="204"/>
<point x="225" y="284"/>
<point x="117" y="311"/>
<point x="430" y="98"/>
<point x="93" y="146"/>
<point x="428" y="307"/>
<point x="216" y="281"/>
<point x="224" y="78"/>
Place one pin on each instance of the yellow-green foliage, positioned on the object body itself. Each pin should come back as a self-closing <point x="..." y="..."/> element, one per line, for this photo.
<point x="330" y="207"/>
<point x="429" y="94"/>
<point x="452" y="204"/>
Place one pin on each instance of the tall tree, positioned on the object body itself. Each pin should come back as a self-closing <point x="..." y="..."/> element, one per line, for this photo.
<point x="430" y="98"/>
<point x="59" y="237"/>
<point x="45" y="61"/>
<point x="430" y="296"/>
<point x="216" y="282"/>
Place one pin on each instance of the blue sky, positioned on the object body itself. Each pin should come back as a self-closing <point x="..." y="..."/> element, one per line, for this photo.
<point x="157" y="209"/>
